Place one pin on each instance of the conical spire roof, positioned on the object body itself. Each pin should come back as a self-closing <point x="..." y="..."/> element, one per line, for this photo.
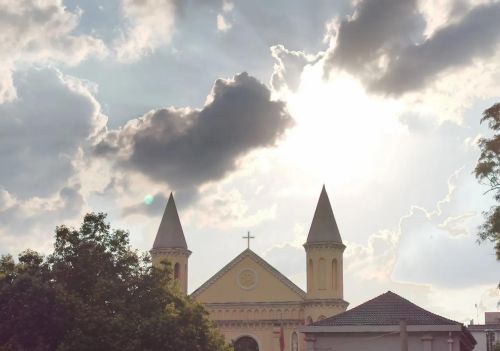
<point x="170" y="233"/>
<point x="324" y="227"/>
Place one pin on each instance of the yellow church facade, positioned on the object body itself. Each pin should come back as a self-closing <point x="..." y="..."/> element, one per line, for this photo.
<point x="256" y="307"/>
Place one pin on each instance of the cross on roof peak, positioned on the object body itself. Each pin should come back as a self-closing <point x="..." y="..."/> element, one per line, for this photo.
<point x="248" y="237"/>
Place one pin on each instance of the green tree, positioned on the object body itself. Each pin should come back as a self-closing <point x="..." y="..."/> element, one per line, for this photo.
<point x="488" y="172"/>
<point x="93" y="292"/>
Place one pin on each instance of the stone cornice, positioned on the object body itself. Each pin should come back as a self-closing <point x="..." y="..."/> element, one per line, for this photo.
<point x="278" y="304"/>
<point x="172" y="251"/>
<point x="325" y="302"/>
<point x="230" y="323"/>
<point x="257" y="259"/>
<point x="324" y="245"/>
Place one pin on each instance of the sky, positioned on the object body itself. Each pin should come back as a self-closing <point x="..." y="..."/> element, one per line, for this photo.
<point x="244" y="109"/>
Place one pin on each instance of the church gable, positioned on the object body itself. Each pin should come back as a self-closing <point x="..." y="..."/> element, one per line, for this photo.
<point x="248" y="278"/>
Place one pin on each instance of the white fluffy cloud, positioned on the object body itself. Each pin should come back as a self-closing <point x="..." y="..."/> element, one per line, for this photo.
<point x="31" y="223"/>
<point x="43" y="130"/>
<point x="150" y="24"/>
<point x="44" y="133"/>
<point x="39" y="31"/>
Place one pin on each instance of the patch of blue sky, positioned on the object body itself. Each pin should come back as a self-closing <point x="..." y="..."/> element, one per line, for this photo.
<point x="102" y="19"/>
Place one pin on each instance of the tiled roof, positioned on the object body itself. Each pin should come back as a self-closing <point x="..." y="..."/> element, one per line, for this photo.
<point x="386" y="309"/>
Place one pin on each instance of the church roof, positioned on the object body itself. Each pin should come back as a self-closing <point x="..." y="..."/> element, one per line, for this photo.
<point x="324" y="228"/>
<point x="170" y="233"/>
<point x="386" y="309"/>
<point x="259" y="260"/>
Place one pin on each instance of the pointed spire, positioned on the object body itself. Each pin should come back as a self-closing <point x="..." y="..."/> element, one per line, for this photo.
<point x="170" y="233"/>
<point x="324" y="227"/>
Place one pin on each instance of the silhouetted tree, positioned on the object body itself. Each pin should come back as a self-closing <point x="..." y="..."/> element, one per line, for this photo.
<point x="95" y="293"/>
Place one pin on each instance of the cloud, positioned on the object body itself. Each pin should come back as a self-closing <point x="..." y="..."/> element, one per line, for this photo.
<point x="222" y="24"/>
<point x="387" y="44"/>
<point x="150" y="25"/>
<point x="476" y="36"/>
<point x="39" y="32"/>
<point x="31" y="223"/>
<point x="289" y="66"/>
<point x="43" y="130"/>
<point x="448" y="232"/>
<point x="378" y="28"/>
<point x="188" y="147"/>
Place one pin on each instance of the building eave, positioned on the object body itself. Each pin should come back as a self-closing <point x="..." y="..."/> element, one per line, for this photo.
<point x="309" y="329"/>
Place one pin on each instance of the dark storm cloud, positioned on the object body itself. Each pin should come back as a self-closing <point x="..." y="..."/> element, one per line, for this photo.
<point x="378" y="27"/>
<point x="41" y="131"/>
<point x="186" y="148"/>
<point x="391" y="31"/>
<point x="476" y="35"/>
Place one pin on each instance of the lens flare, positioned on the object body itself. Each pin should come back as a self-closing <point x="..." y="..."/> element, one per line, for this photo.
<point x="148" y="199"/>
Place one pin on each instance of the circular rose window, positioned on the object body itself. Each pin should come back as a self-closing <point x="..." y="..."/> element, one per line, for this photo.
<point x="247" y="279"/>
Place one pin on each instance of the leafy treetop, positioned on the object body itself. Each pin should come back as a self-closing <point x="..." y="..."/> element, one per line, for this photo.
<point x="93" y="292"/>
<point x="487" y="171"/>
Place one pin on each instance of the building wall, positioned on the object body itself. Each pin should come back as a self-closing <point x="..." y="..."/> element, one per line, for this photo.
<point x="324" y="271"/>
<point x="265" y="288"/>
<point x="492" y="317"/>
<point x="266" y="334"/>
<point x="480" y="337"/>
<point x="178" y="258"/>
<point x="382" y="342"/>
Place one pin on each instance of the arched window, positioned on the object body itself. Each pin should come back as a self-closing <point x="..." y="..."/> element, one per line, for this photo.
<point x="246" y="343"/>
<point x="335" y="279"/>
<point x="177" y="270"/>
<point x="310" y="275"/>
<point x="320" y="318"/>
<point x="295" y="342"/>
<point x="322" y="274"/>
<point x="309" y="320"/>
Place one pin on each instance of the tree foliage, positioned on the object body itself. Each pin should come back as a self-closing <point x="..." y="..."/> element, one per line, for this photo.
<point x="488" y="172"/>
<point x="93" y="292"/>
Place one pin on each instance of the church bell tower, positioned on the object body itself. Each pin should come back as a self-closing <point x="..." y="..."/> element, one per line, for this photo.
<point x="170" y="244"/>
<point x="324" y="254"/>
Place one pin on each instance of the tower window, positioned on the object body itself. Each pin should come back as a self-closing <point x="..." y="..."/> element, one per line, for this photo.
<point x="177" y="271"/>
<point x="310" y="275"/>
<point x="335" y="279"/>
<point x="322" y="274"/>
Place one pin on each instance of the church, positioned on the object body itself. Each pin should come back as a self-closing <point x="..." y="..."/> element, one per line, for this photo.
<point x="255" y="306"/>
